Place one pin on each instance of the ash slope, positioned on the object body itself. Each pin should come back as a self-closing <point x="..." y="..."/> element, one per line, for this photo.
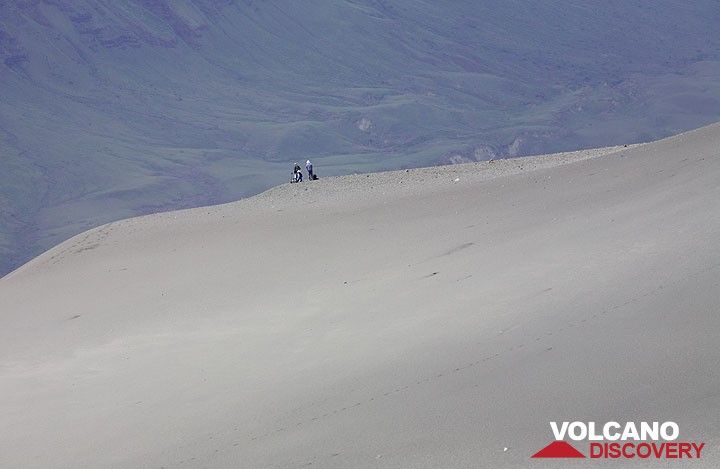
<point x="398" y="320"/>
<point x="122" y="108"/>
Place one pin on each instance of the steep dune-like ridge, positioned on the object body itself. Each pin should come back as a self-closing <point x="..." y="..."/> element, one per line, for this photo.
<point x="431" y="318"/>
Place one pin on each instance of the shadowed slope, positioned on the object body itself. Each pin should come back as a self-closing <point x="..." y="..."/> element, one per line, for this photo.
<point x="427" y="318"/>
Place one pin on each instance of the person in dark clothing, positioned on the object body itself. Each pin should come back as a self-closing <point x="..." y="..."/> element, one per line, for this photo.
<point x="297" y="173"/>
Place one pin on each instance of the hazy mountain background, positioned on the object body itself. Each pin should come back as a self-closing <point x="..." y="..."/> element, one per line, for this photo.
<point x="113" y="108"/>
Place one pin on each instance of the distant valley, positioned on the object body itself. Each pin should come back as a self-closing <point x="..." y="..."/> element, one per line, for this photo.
<point x="111" y="109"/>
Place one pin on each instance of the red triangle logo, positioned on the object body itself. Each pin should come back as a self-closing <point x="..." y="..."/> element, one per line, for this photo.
<point x="558" y="449"/>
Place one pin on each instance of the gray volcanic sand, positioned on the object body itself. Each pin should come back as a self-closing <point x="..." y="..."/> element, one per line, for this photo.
<point x="433" y="318"/>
